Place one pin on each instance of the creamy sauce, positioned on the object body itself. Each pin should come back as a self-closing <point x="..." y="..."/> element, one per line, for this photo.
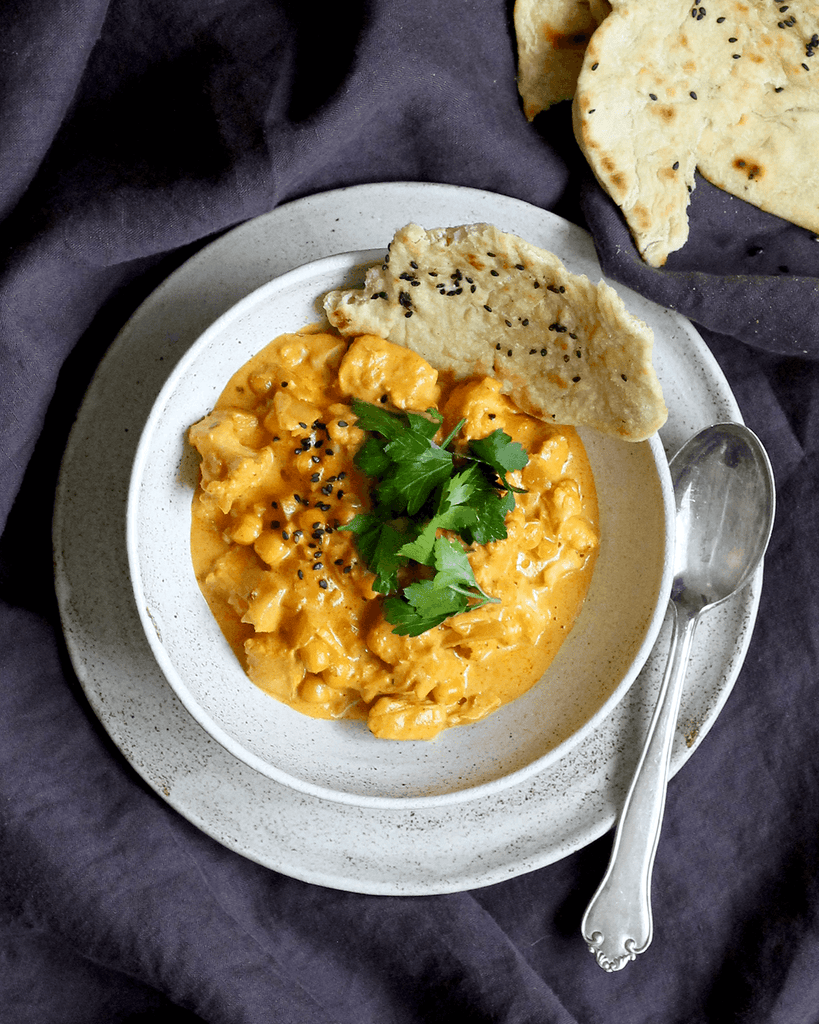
<point x="288" y="588"/>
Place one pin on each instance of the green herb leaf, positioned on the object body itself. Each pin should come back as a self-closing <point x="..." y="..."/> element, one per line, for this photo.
<point x="420" y="490"/>
<point x="499" y="451"/>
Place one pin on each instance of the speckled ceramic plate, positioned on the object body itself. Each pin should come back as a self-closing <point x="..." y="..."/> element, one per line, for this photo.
<point x="364" y="849"/>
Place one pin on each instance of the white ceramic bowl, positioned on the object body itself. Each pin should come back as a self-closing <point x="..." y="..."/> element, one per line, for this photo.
<point x="342" y="761"/>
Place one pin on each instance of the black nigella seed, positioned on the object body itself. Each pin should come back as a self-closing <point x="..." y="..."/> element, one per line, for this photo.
<point x="317" y="565"/>
<point x="473" y="288"/>
<point x="339" y="561"/>
<point x="494" y="273"/>
<point x="274" y="504"/>
<point x="306" y="443"/>
<point x="347" y="568"/>
<point x="284" y="383"/>
<point x="342" y="475"/>
<point x="285" y="535"/>
<point x="518" y="266"/>
<point x="525" y="322"/>
<point x="319" y="443"/>
<point x="303" y="426"/>
<point x="693" y="95"/>
<point x="732" y="39"/>
<point x="652" y="96"/>
<point x="323" y="584"/>
<point x="300" y="574"/>
<point x="275" y="524"/>
<point x="488" y="309"/>
<point x="297" y="451"/>
<point x="297" y="498"/>
<point x="675" y="166"/>
<point x="298" y="535"/>
<point x="595" y="67"/>
<point x="720" y="20"/>
<point x="315" y="459"/>
<point x="329" y="451"/>
<point x="327" y="489"/>
<point x="575" y="380"/>
<point x="543" y="351"/>
<point x="624" y="376"/>
<point x="508" y="323"/>
<point x="315" y="478"/>
<point x="342" y="423"/>
<point x="532" y="351"/>
<point x="497" y="347"/>
<point x="805" y="66"/>
<point x="509" y="352"/>
<point x="736" y="56"/>
<point x="413" y="264"/>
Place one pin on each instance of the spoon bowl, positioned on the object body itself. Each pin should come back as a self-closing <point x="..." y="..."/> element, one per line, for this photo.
<point x="724" y="493"/>
<point x="725" y="501"/>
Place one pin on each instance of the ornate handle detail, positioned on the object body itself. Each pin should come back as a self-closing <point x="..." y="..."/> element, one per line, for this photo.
<point x="617" y="924"/>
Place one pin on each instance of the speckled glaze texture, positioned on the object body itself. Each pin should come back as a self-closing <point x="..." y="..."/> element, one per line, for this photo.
<point x="392" y="848"/>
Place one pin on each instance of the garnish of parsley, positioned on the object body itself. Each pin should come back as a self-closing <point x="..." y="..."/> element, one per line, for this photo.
<point x="420" y="487"/>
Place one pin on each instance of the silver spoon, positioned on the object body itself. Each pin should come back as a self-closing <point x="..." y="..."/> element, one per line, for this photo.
<point x="724" y="491"/>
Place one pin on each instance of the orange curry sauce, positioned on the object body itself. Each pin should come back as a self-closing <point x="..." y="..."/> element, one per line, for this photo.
<point x="288" y="588"/>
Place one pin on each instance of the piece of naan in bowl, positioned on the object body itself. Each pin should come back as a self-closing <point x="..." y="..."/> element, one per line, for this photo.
<point x="729" y="87"/>
<point x="476" y="300"/>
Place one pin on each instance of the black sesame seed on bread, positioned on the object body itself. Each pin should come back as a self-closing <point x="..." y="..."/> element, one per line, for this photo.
<point x="475" y="300"/>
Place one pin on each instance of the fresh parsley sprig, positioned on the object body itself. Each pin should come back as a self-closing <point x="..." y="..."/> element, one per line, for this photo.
<point x="421" y="487"/>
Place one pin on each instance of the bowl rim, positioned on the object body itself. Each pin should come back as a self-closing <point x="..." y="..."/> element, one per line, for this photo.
<point x="346" y="261"/>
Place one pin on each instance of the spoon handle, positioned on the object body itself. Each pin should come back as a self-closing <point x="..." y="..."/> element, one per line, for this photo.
<point x="617" y="924"/>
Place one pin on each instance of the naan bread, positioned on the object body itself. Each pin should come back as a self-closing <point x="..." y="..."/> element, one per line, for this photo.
<point x="730" y="87"/>
<point x="551" y="39"/>
<point x="475" y="300"/>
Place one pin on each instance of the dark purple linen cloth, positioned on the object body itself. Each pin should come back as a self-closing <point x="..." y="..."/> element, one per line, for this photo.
<point x="131" y="132"/>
